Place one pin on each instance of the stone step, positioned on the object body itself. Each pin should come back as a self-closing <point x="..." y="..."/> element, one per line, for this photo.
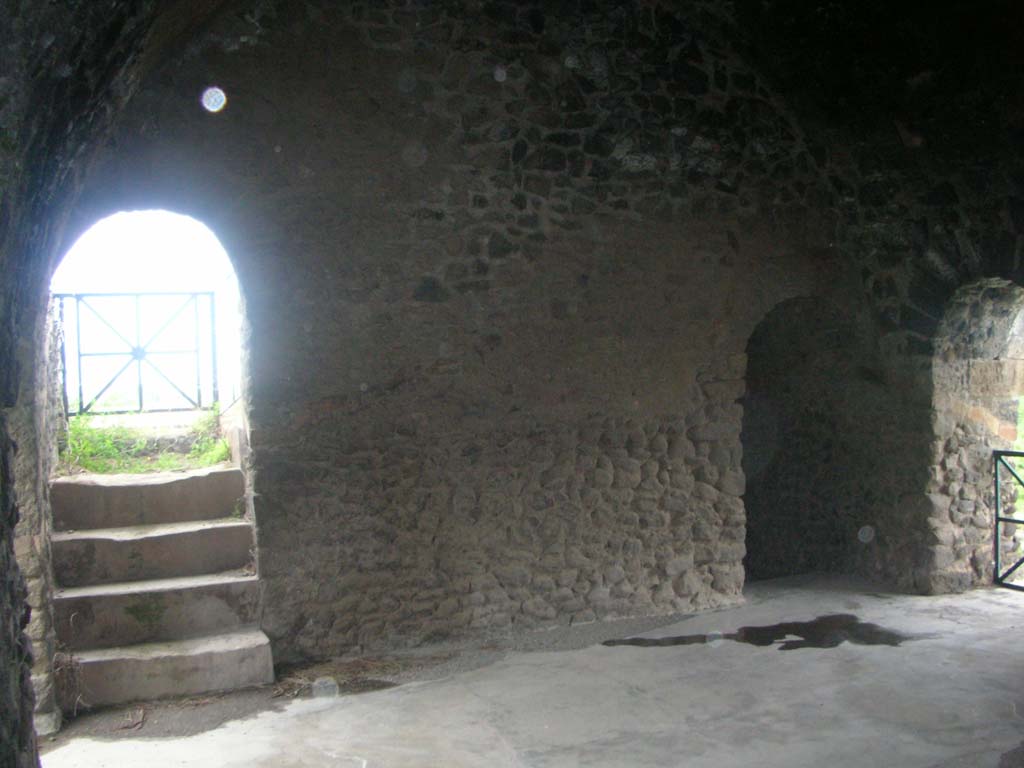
<point x="113" y="501"/>
<point x="109" y="615"/>
<point x="155" y="670"/>
<point x="111" y="555"/>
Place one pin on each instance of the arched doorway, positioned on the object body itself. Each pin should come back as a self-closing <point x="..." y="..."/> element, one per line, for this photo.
<point x="152" y="541"/>
<point x="978" y="375"/>
<point x="150" y="308"/>
<point x="804" y="442"/>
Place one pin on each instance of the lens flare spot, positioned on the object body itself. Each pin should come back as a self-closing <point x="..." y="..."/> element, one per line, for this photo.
<point x="214" y="99"/>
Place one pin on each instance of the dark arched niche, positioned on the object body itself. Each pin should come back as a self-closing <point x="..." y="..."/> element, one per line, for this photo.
<point x="802" y="512"/>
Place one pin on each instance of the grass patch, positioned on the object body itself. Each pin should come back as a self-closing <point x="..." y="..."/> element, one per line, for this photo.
<point x="121" y="449"/>
<point x="209" y="447"/>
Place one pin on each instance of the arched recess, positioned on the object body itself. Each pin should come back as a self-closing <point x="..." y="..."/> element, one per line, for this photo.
<point x="808" y="442"/>
<point x="122" y="177"/>
<point x="150" y="252"/>
<point x="978" y="375"/>
<point x="75" y="175"/>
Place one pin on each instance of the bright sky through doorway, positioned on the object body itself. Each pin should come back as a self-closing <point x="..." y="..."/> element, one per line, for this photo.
<point x="144" y="251"/>
<point x="147" y="251"/>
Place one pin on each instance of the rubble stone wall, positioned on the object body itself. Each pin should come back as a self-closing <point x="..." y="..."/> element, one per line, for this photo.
<point x="500" y="269"/>
<point x="34" y="463"/>
<point x="978" y="379"/>
<point x="502" y="264"/>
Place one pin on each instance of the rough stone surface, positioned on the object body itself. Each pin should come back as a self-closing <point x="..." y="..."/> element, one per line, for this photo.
<point x="524" y="401"/>
<point x="821" y="435"/>
<point x="119" y="501"/>
<point x="34" y="462"/>
<point x="562" y="236"/>
<point x="16" y="699"/>
<point x="502" y="262"/>
<point x="143" y="612"/>
<point x="978" y="375"/>
<point x="561" y="698"/>
<point x="67" y="69"/>
<point x="219" y="662"/>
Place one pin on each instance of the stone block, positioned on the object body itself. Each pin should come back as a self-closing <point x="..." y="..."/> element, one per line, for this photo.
<point x="567" y="577"/>
<point x="539" y="608"/>
<point x="614" y="574"/>
<point x="727" y="578"/>
<point x="513" y="575"/>
<point x="725" y="391"/>
<point x="687" y="584"/>
<point x="681" y="448"/>
<point x="679" y="565"/>
<point x="705" y="492"/>
<point x="705" y="472"/>
<point x="732" y="482"/>
<point x="943" y="557"/>
<point x="26" y="552"/>
<point x="942" y="532"/>
<point x="731" y="551"/>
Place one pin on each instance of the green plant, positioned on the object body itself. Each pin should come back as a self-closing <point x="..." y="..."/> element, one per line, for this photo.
<point x="210" y="451"/>
<point x="121" y="449"/>
<point x="208" y="446"/>
<point x="208" y="425"/>
<point x="101" y="449"/>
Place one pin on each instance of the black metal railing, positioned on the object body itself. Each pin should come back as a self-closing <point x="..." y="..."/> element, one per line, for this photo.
<point x="1000" y="576"/>
<point x="134" y="352"/>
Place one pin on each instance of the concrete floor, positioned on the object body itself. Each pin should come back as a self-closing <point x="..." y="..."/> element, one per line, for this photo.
<point x="949" y="696"/>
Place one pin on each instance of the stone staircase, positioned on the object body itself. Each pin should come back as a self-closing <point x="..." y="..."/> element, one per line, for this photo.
<point x="157" y="592"/>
